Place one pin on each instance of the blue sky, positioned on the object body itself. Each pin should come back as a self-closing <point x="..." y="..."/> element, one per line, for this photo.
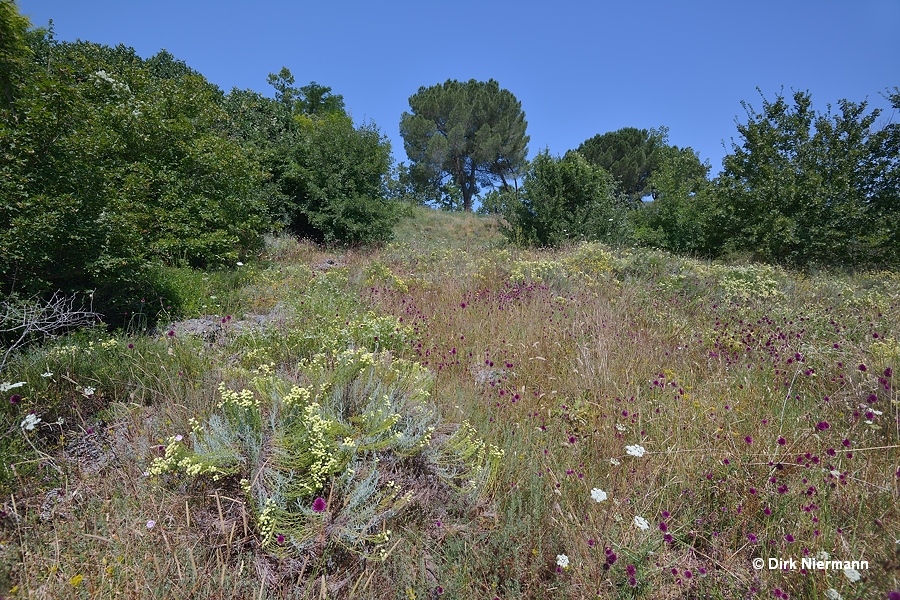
<point x="578" y="67"/>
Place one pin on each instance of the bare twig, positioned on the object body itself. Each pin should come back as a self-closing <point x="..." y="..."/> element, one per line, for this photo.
<point x="25" y="320"/>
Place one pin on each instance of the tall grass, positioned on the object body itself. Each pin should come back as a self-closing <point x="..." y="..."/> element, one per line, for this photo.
<point x="765" y="403"/>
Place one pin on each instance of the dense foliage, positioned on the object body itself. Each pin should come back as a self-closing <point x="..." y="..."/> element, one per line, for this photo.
<point x="808" y="188"/>
<point x="801" y="188"/>
<point x="113" y="166"/>
<point x="629" y="154"/>
<point x="460" y="136"/>
<point x="116" y="168"/>
<point x="565" y="199"/>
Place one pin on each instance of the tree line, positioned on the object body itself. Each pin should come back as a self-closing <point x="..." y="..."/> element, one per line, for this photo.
<point x="800" y="187"/>
<point x="116" y="168"/>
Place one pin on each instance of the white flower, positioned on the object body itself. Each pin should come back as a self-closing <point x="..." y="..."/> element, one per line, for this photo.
<point x="562" y="560"/>
<point x="5" y="387"/>
<point x="30" y="421"/>
<point x="178" y="438"/>
<point x="240" y="264"/>
<point x="615" y="462"/>
<point x="47" y="374"/>
<point x="832" y="594"/>
<point x="598" y="495"/>
<point x="620" y="427"/>
<point x="641" y="523"/>
<point x="151" y="524"/>
<point x="635" y="450"/>
<point x="822" y="555"/>
<point x="852" y="574"/>
<point x="88" y="391"/>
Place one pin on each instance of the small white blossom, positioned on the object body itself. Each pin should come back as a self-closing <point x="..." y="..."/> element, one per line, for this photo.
<point x="151" y="524"/>
<point x="178" y="438"/>
<point x="822" y="555"/>
<point x="240" y="264"/>
<point x="598" y="495"/>
<point x="620" y="427"/>
<point x="88" y="391"/>
<point x="615" y="462"/>
<point x="641" y="523"/>
<point x="833" y="594"/>
<point x="635" y="450"/>
<point x="30" y="421"/>
<point x="562" y="560"/>
<point x="47" y="374"/>
<point x="5" y="387"/>
<point x="852" y="574"/>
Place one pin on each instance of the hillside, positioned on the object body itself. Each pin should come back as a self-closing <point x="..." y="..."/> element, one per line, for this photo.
<point x="447" y="416"/>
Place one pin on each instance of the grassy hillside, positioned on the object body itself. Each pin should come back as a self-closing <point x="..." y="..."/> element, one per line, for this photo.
<point x="447" y="417"/>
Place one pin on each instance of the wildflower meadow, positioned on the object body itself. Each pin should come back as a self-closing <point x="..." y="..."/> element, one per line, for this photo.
<point x="448" y="416"/>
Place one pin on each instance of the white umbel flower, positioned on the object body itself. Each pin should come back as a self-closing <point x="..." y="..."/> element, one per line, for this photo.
<point x="562" y="560"/>
<point x="636" y="450"/>
<point x="641" y="523"/>
<point x="598" y="495"/>
<point x="30" y="421"/>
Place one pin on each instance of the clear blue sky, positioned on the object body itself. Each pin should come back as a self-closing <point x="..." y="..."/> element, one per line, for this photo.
<point x="578" y="67"/>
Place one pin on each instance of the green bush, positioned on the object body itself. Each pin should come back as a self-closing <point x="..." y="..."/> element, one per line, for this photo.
<point x="327" y="461"/>
<point x="110" y="170"/>
<point x="336" y="180"/>
<point x="566" y="199"/>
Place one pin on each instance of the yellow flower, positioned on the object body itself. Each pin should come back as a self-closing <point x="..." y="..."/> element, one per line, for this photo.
<point x="76" y="580"/>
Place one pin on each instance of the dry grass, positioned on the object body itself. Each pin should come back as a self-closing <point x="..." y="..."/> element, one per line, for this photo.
<point x="728" y="387"/>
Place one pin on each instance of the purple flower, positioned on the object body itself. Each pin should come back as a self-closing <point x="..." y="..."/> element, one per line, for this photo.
<point x="171" y="333"/>
<point x="862" y="368"/>
<point x="822" y="425"/>
<point x="789" y="538"/>
<point x="15" y="399"/>
<point x="280" y="539"/>
<point x="888" y="372"/>
<point x="319" y="505"/>
<point x="781" y="441"/>
<point x="748" y="439"/>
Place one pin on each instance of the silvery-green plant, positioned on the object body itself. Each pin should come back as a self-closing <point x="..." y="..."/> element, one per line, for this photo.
<point x="321" y="459"/>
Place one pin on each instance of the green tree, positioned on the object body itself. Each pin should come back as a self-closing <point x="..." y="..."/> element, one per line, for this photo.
<point x="807" y="188"/>
<point x="565" y="199"/>
<point x="630" y="155"/>
<point x="14" y="51"/>
<point x="466" y="134"/>
<point x="335" y="177"/>
<point x="680" y="216"/>
<point x="110" y="171"/>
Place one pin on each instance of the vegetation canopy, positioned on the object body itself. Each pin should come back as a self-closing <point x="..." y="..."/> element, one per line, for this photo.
<point x="464" y="135"/>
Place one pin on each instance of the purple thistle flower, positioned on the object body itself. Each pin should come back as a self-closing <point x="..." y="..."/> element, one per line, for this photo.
<point x="862" y="368"/>
<point x="789" y="538"/>
<point x="280" y="539"/>
<point x="822" y="425"/>
<point x="319" y="505"/>
<point x="888" y="372"/>
<point x="15" y="399"/>
<point x="748" y="439"/>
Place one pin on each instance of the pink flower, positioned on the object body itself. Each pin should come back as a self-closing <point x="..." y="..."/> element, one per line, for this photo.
<point x="319" y="505"/>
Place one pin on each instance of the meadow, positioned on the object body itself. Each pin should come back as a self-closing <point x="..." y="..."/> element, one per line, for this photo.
<point x="451" y="417"/>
